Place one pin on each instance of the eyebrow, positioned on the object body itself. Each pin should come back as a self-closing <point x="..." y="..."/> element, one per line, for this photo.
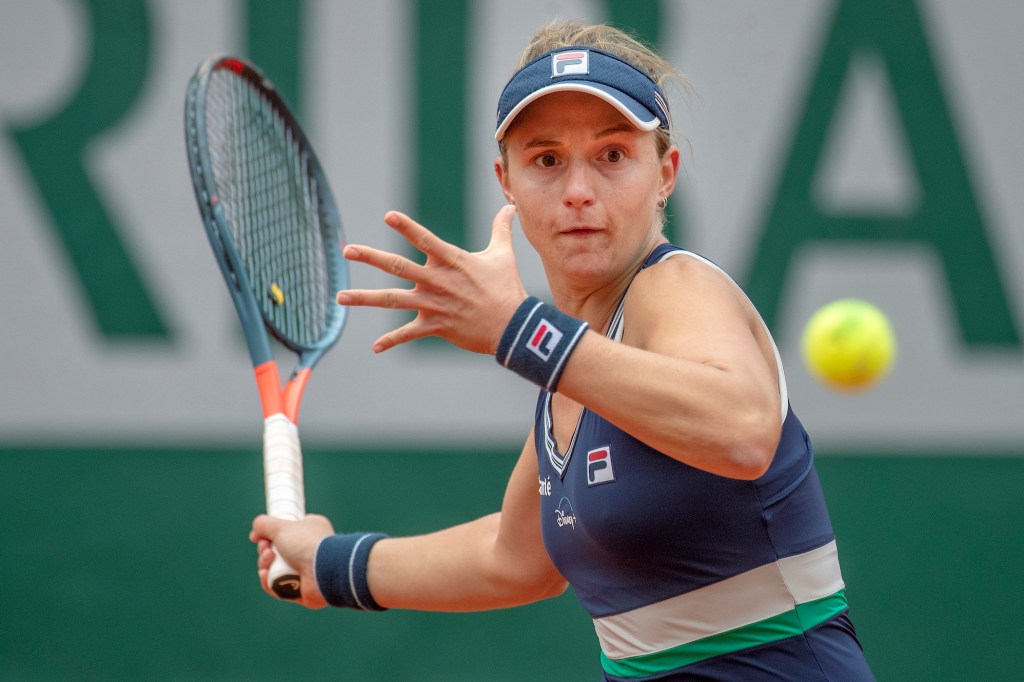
<point x="624" y="127"/>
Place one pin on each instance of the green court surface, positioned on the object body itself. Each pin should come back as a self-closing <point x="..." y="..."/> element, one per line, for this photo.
<point x="134" y="564"/>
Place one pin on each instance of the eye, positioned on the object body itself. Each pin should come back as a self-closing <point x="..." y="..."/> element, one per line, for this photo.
<point x="614" y="155"/>
<point x="546" y="160"/>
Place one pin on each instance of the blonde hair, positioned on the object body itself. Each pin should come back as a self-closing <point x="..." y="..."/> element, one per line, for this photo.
<point x="569" y="33"/>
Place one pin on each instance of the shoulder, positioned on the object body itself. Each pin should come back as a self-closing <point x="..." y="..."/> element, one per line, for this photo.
<point x="683" y="291"/>
<point x="684" y="275"/>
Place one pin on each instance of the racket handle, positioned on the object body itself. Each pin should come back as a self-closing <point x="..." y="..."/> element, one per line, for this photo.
<point x="285" y="493"/>
<point x="284" y="580"/>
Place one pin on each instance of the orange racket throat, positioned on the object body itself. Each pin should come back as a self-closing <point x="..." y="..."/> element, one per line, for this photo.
<point x="276" y="401"/>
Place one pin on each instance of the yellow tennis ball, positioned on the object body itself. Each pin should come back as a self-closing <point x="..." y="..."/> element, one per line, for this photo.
<point x="849" y="345"/>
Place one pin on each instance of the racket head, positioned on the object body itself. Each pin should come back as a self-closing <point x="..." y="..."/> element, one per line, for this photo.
<point x="268" y="210"/>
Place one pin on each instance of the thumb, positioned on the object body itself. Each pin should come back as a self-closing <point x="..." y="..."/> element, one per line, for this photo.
<point x="501" y="228"/>
<point x="265" y="527"/>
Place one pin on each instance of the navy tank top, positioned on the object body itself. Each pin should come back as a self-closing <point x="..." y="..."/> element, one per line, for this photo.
<point x="682" y="569"/>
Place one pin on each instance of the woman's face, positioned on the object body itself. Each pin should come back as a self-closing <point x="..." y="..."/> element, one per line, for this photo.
<point x="586" y="184"/>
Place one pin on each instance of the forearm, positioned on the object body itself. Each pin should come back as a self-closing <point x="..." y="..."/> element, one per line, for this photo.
<point x="463" y="568"/>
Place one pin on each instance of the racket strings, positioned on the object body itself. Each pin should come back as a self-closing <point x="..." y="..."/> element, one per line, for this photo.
<point x="271" y="198"/>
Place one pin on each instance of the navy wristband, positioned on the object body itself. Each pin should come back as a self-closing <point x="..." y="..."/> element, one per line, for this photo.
<point x="538" y="341"/>
<point x="339" y="565"/>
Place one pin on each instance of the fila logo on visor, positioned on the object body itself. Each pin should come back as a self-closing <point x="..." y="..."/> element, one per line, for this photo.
<point x="544" y="340"/>
<point x="599" y="466"/>
<point x="570" y="63"/>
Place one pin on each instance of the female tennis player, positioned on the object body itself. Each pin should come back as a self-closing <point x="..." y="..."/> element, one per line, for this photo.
<point x="666" y="478"/>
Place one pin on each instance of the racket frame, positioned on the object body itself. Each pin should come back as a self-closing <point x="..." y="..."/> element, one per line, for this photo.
<point x="282" y="453"/>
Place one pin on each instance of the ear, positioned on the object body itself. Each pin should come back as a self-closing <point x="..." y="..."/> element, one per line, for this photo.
<point x="669" y="172"/>
<point x="502" y="174"/>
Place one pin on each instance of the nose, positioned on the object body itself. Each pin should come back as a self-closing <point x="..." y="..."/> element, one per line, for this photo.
<point x="579" y="186"/>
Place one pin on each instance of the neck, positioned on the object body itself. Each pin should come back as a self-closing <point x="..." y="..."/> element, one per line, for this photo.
<point x="595" y="307"/>
<point x="597" y="304"/>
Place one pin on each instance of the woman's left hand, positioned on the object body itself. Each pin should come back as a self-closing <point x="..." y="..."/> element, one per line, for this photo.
<point x="464" y="298"/>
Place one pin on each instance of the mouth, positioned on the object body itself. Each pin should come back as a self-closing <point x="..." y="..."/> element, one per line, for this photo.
<point x="580" y="230"/>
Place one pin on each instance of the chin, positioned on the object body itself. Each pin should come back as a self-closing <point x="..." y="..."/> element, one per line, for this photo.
<point x="586" y="265"/>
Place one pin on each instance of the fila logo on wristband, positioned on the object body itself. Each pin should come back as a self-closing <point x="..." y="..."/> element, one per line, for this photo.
<point x="536" y="348"/>
<point x="544" y="340"/>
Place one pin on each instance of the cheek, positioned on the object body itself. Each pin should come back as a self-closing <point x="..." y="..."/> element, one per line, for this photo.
<point x="529" y="221"/>
<point x="634" y="196"/>
<point x="648" y="188"/>
<point x="533" y="204"/>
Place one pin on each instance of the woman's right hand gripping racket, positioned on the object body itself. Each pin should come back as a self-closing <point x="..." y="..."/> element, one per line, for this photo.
<point x="276" y="234"/>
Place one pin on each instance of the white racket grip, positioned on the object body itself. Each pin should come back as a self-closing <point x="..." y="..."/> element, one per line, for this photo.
<point x="285" y="492"/>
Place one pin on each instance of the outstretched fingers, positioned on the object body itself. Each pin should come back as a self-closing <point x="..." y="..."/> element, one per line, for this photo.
<point x="397" y="299"/>
<point x="465" y="298"/>
<point x="408" y="332"/>
<point x="437" y="250"/>
<point x="391" y="263"/>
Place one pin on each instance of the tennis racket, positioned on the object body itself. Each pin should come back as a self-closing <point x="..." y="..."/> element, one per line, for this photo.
<point x="276" y="235"/>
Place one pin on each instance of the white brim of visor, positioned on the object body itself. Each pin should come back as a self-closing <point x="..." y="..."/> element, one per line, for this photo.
<point x="634" y="112"/>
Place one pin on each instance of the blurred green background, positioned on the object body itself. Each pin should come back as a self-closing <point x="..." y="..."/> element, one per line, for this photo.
<point x="150" y="582"/>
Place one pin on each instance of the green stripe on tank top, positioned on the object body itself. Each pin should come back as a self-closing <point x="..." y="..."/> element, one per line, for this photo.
<point x="791" y="623"/>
